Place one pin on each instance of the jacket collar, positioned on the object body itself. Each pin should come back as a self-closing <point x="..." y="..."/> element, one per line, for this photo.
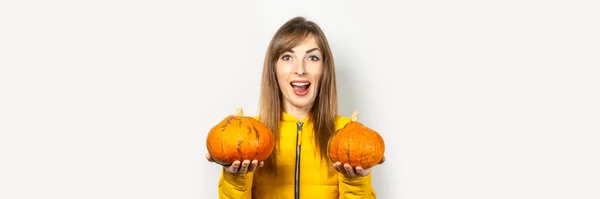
<point x="289" y="118"/>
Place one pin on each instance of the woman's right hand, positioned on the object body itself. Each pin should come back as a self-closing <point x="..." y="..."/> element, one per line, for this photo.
<point x="237" y="169"/>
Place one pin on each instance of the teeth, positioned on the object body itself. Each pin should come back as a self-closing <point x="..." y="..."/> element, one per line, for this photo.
<point x="300" y="84"/>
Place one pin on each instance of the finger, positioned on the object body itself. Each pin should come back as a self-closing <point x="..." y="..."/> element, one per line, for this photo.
<point x="209" y="158"/>
<point x="234" y="167"/>
<point x="339" y="168"/>
<point x="244" y="167"/>
<point x="362" y="172"/>
<point x="261" y="164"/>
<point x="338" y="165"/>
<point x="253" y="166"/>
<point x="349" y="170"/>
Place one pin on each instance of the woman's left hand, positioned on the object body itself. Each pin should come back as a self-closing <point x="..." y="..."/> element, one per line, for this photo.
<point x="350" y="172"/>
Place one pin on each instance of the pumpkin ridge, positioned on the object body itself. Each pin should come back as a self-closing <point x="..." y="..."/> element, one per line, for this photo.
<point x="223" y="143"/>
<point x="348" y="150"/>
<point x="257" y="140"/>
<point x="209" y="145"/>
<point x="329" y="143"/>
<point x="360" y="159"/>
<point x="227" y="122"/>
<point x="339" y="149"/>
<point x="239" y="148"/>
<point x="348" y="154"/>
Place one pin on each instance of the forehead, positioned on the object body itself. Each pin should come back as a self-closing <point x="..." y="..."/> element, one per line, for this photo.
<point x="308" y="43"/>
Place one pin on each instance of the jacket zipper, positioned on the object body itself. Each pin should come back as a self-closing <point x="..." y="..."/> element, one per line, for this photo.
<point x="297" y="169"/>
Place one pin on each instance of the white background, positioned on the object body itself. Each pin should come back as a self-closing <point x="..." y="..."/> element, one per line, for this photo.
<point x="475" y="99"/>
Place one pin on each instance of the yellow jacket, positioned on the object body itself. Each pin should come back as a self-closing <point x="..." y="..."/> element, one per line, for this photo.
<point x="314" y="182"/>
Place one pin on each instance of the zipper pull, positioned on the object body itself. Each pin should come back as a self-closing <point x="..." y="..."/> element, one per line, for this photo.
<point x="299" y="133"/>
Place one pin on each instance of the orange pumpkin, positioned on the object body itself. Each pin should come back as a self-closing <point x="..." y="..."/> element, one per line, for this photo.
<point x="239" y="138"/>
<point x="356" y="145"/>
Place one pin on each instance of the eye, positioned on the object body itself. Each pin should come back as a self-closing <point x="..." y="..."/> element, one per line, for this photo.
<point x="314" y="58"/>
<point x="286" y="57"/>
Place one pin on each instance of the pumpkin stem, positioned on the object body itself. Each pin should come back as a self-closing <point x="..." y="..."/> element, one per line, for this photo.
<point x="239" y="112"/>
<point x="355" y="115"/>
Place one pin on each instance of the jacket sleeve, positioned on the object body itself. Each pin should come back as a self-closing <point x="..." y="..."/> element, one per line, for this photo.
<point x="235" y="186"/>
<point x="354" y="188"/>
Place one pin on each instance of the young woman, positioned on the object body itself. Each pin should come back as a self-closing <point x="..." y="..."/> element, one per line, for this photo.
<point x="298" y="102"/>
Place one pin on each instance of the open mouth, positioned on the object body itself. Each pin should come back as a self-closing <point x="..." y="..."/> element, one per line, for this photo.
<point x="300" y="87"/>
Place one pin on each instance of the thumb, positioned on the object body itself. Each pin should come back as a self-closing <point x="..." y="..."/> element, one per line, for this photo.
<point x="207" y="156"/>
<point x="382" y="160"/>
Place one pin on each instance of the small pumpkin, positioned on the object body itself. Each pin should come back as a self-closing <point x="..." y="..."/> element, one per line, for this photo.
<point x="238" y="137"/>
<point x="356" y="144"/>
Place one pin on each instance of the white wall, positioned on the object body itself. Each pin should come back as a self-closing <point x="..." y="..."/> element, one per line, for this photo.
<point x="475" y="99"/>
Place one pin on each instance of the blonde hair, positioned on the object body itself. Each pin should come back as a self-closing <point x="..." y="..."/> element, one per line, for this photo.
<point x="325" y="108"/>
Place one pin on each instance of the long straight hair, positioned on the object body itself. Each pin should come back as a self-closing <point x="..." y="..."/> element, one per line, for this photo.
<point x="325" y="108"/>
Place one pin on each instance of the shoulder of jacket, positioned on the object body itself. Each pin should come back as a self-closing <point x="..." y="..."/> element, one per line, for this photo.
<point x="341" y="121"/>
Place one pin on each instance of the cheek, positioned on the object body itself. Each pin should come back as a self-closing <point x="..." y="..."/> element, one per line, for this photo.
<point x="280" y="72"/>
<point x="317" y="72"/>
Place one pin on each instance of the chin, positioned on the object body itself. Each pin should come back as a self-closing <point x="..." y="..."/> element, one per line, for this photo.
<point x="302" y="103"/>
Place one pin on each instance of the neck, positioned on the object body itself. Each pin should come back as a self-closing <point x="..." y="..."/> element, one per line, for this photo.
<point x="298" y="112"/>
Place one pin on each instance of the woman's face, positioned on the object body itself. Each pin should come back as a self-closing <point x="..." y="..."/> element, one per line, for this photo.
<point x="299" y="71"/>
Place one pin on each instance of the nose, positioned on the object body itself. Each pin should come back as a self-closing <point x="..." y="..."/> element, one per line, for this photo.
<point x="300" y="67"/>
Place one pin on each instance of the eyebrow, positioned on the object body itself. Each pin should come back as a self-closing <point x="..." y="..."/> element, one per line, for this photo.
<point x="308" y="51"/>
